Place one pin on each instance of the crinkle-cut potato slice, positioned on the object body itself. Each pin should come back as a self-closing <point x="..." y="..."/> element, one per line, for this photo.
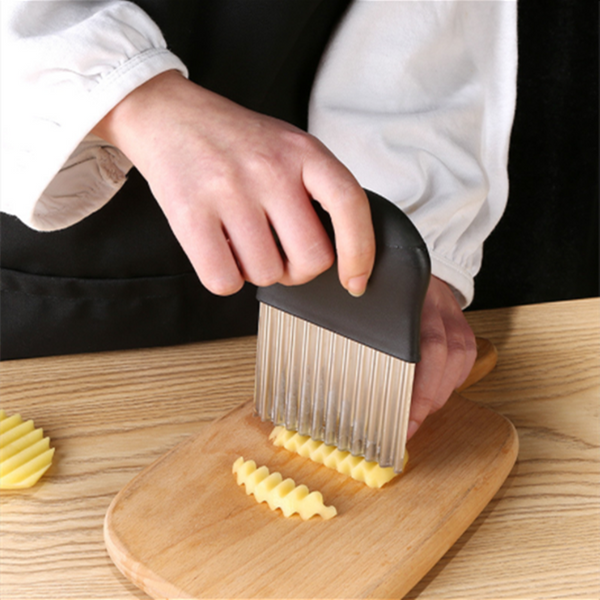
<point x="279" y="493"/>
<point x="357" y="467"/>
<point x="25" y="454"/>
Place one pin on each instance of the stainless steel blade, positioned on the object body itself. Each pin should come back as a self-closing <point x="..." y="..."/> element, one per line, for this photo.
<point x="333" y="389"/>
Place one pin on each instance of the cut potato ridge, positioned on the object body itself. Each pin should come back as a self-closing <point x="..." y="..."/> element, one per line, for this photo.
<point x="25" y="454"/>
<point x="354" y="466"/>
<point x="279" y="493"/>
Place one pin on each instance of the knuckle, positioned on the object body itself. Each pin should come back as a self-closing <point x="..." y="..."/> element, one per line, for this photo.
<point x="433" y="338"/>
<point x="315" y="261"/>
<point x="303" y="142"/>
<point x="263" y="164"/>
<point x="323" y="261"/>
<point x="461" y="341"/>
<point x="266" y="278"/>
<point x="471" y="345"/>
<point x="221" y="178"/>
<point x="456" y="346"/>
<point x="350" y="194"/>
<point x="300" y="272"/>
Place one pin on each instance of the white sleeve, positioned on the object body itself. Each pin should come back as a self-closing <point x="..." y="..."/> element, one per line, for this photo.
<point x="65" y="65"/>
<point x="417" y="99"/>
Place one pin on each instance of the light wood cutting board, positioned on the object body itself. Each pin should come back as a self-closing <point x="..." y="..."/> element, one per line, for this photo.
<point x="183" y="528"/>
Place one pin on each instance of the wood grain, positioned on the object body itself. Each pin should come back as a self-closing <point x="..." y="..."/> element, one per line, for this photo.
<point x="111" y="415"/>
<point x="183" y="528"/>
<point x="539" y="538"/>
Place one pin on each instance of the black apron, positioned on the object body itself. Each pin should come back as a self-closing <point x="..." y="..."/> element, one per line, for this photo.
<point x="119" y="279"/>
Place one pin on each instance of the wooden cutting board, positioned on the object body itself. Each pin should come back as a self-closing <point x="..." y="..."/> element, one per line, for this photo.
<point x="183" y="528"/>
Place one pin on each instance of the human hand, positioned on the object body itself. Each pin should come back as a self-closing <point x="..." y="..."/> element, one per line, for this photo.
<point x="448" y="352"/>
<point x="227" y="177"/>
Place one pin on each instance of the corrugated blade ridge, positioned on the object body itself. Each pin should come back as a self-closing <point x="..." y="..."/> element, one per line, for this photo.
<point x="331" y="388"/>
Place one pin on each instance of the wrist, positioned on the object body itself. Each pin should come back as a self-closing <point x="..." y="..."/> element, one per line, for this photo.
<point x="135" y="113"/>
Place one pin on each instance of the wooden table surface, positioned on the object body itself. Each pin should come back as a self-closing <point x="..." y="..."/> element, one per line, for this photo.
<point x="109" y="415"/>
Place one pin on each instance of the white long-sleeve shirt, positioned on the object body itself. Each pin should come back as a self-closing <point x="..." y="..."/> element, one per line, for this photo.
<point x="415" y="97"/>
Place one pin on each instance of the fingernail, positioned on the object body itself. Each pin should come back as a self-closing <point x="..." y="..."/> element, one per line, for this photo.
<point x="357" y="285"/>
<point x="412" y="428"/>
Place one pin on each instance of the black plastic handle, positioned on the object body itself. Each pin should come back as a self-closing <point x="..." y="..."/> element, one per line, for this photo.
<point x="388" y="316"/>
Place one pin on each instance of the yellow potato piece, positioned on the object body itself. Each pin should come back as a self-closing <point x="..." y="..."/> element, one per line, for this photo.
<point x="25" y="454"/>
<point x="358" y="468"/>
<point x="279" y="493"/>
